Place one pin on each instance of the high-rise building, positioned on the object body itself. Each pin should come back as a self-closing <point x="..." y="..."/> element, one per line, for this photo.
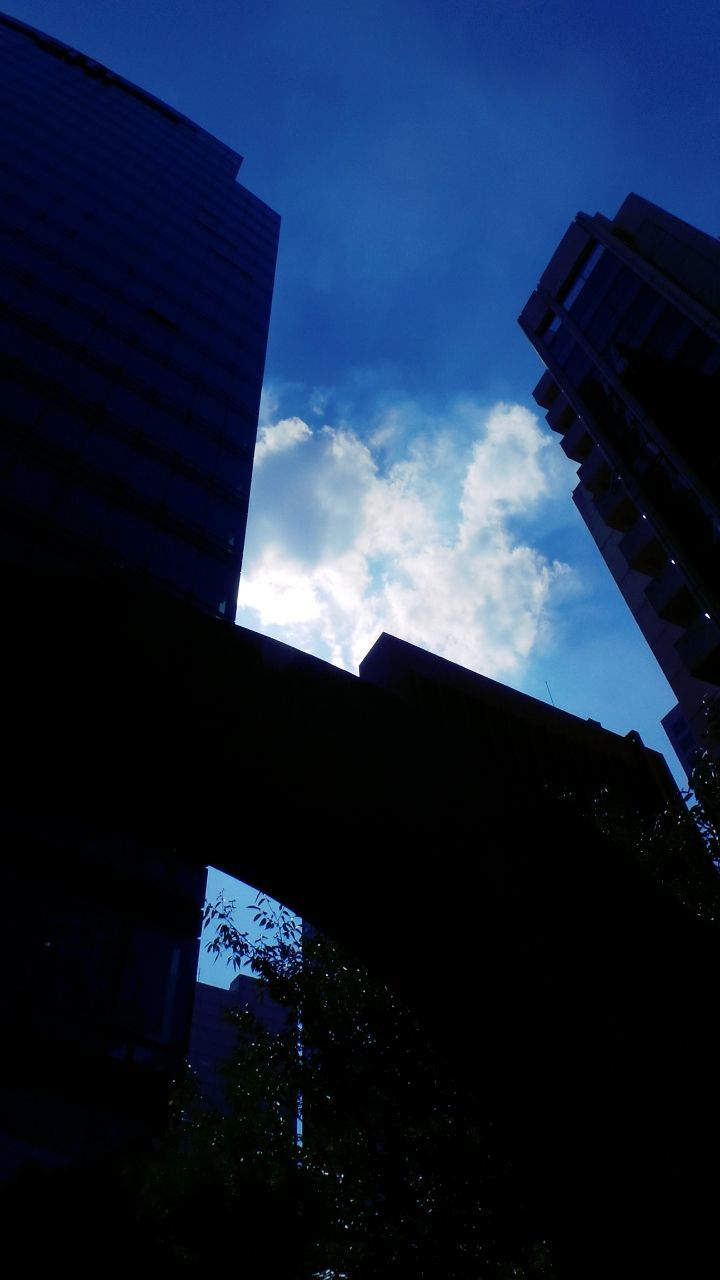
<point x="136" y="280"/>
<point x="626" y="318"/>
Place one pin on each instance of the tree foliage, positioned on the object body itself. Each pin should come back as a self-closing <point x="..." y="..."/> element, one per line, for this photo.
<point x="345" y="1131"/>
<point x="679" y="845"/>
<point x="349" y="1147"/>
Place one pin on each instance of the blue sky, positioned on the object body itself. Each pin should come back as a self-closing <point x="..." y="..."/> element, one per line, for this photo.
<point x="426" y="156"/>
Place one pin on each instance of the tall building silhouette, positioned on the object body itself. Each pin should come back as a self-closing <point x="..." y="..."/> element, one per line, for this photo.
<point x="626" y="317"/>
<point x="136" y="282"/>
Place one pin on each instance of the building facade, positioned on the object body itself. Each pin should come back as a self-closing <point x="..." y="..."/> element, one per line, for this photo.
<point x="525" y="751"/>
<point x="626" y="317"/>
<point x="136" y="280"/>
<point x="215" y="1036"/>
<point x="99" y="979"/>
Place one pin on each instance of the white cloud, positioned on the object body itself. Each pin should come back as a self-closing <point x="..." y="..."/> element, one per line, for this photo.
<point x="279" y="437"/>
<point x="505" y="474"/>
<point x="431" y="550"/>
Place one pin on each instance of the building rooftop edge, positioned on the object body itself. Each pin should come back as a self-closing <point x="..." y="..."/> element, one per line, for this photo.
<point x="503" y="692"/>
<point x="90" y="64"/>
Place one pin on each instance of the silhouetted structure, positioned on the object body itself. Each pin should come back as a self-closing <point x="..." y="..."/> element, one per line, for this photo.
<point x="627" y="319"/>
<point x="214" y="1036"/>
<point x="520" y="747"/>
<point x="136" y="287"/>
<point x="99" y="954"/>
<point x="418" y="832"/>
<point x="137" y="282"/>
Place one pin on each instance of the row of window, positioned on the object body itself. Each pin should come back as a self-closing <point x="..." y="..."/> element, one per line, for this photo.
<point x="97" y="72"/>
<point x="123" y="203"/>
<point x="96" y="534"/>
<point x="256" y="221"/>
<point x="101" y="175"/>
<point x="191" y="269"/>
<point x="614" y="308"/>
<point x="36" y="473"/>
<point x="230" y="362"/>
<point x="104" y="193"/>
<point x="143" y="429"/>
<point x="70" y="121"/>
<point x="208" y="306"/>
<point x="92" y="358"/>
<point x="697" y="272"/>
<point x="225" y="197"/>
<point x="672" y="495"/>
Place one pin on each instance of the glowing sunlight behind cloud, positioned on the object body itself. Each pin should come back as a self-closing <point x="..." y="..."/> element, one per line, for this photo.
<point x="435" y="549"/>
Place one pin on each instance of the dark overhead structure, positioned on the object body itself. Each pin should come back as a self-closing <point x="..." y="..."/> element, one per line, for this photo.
<point x="521" y="749"/>
<point x="423" y="816"/>
<point x="626" y="318"/>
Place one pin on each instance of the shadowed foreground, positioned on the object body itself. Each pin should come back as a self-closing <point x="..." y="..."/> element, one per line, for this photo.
<point x="574" y="994"/>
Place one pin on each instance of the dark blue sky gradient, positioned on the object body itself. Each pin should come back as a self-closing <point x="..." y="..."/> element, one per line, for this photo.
<point x="425" y="156"/>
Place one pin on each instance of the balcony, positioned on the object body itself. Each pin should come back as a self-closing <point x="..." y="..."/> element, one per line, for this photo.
<point x="671" y="598"/>
<point x="546" y="390"/>
<point x="561" y="414"/>
<point x="595" y="473"/>
<point x="699" y="649"/>
<point x="642" y="550"/>
<point x="577" y="443"/>
<point x="617" y="508"/>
